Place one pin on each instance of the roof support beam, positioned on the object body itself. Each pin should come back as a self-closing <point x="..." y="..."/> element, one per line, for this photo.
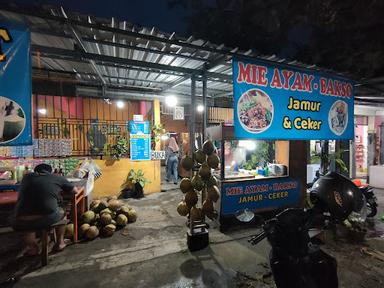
<point x="79" y="55"/>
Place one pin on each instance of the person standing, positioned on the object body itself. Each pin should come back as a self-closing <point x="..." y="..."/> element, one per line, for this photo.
<point x="172" y="160"/>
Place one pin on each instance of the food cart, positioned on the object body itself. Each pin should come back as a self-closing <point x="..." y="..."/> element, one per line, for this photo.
<point x="254" y="174"/>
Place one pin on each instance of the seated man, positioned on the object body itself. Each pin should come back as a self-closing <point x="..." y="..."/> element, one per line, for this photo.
<point x="38" y="205"/>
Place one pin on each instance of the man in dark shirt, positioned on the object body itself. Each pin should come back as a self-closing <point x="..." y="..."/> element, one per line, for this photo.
<point x="38" y="205"/>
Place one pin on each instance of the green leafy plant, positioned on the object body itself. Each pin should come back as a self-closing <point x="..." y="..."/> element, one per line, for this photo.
<point x="118" y="150"/>
<point x="134" y="177"/>
<point x="157" y="130"/>
<point x="328" y="159"/>
<point x="264" y="153"/>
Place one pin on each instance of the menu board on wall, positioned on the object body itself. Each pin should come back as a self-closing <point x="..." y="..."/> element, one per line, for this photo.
<point x="276" y="101"/>
<point x="15" y="85"/>
<point x="140" y="140"/>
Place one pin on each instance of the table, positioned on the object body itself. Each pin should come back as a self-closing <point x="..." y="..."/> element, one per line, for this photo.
<point x="8" y="198"/>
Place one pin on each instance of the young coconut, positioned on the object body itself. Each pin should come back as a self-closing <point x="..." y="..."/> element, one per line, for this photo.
<point x="185" y="185"/>
<point x="205" y="172"/>
<point x="213" y="193"/>
<point x="114" y="204"/>
<point x="121" y="220"/>
<point x="182" y="209"/>
<point x="88" y="217"/>
<point x="212" y="181"/>
<point x="191" y="199"/>
<point x="196" y="214"/>
<point x="213" y="161"/>
<point x="187" y="163"/>
<point x="208" y="147"/>
<point x="197" y="183"/>
<point x="105" y="219"/>
<point x="132" y="215"/>
<point x="108" y="230"/>
<point x="69" y="231"/>
<point x="124" y="210"/>
<point x="92" y="233"/>
<point x="200" y="156"/>
<point x="207" y="206"/>
<point x="83" y="229"/>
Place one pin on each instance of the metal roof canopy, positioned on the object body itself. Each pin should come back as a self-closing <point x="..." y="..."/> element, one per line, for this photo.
<point x="119" y="59"/>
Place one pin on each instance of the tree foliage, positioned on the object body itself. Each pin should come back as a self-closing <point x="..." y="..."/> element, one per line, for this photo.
<point x="343" y="35"/>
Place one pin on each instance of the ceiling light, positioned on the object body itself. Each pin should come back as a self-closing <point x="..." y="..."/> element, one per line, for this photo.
<point x="120" y="104"/>
<point x="42" y="111"/>
<point x="200" y="108"/>
<point x="171" y="101"/>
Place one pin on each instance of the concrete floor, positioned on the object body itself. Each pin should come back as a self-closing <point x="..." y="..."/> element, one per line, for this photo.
<point x="152" y="252"/>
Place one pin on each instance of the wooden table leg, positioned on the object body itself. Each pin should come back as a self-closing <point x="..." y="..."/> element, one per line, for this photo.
<point x="44" y="243"/>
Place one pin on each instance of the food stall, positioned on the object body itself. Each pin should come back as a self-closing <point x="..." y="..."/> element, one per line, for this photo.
<point x="276" y="108"/>
<point x="254" y="174"/>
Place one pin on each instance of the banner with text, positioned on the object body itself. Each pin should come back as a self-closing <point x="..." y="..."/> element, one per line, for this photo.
<point x="259" y="194"/>
<point x="273" y="101"/>
<point x="15" y="85"/>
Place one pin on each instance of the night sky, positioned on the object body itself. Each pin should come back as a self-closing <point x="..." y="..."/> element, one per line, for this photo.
<point x="146" y="13"/>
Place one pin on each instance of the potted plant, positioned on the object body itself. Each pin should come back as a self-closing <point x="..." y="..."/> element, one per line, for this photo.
<point x="134" y="185"/>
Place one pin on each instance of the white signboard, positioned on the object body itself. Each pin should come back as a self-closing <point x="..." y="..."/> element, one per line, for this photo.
<point x="157" y="155"/>
<point x="138" y="117"/>
<point x="178" y="113"/>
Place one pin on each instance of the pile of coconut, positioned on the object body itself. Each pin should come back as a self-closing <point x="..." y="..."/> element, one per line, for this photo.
<point x="103" y="218"/>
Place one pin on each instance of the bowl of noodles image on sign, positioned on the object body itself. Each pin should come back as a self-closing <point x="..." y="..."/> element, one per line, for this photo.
<point x="12" y="120"/>
<point x="338" y="117"/>
<point x="255" y="111"/>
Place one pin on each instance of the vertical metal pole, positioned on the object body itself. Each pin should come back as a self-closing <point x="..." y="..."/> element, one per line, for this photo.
<point x="205" y="112"/>
<point x="192" y="131"/>
<point x="192" y="126"/>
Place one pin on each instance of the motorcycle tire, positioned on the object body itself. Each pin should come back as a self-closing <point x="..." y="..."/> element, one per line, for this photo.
<point x="372" y="210"/>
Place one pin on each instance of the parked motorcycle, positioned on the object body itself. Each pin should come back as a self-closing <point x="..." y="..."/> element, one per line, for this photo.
<point x="296" y="259"/>
<point x="370" y="197"/>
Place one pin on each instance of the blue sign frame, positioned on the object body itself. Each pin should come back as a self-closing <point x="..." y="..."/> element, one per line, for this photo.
<point x="273" y="101"/>
<point x="15" y="85"/>
<point x="140" y="141"/>
<point x="259" y="194"/>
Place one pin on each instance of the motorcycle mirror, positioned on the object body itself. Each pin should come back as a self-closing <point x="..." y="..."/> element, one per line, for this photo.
<point x="245" y="215"/>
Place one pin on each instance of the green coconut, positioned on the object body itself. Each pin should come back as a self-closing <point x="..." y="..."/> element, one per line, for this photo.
<point x="132" y="215"/>
<point x="83" y="229"/>
<point x="208" y="147"/>
<point x="121" y="220"/>
<point x="205" y="172"/>
<point x="191" y="199"/>
<point x="213" y="161"/>
<point x="94" y="203"/>
<point x="113" y="222"/>
<point x="213" y="193"/>
<point x="185" y="185"/>
<point x="88" y="216"/>
<point x="182" y="209"/>
<point x="212" y="181"/>
<point x="69" y="230"/>
<point x="92" y="233"/>
<point x="187" y="162"/>
<point x="106" y="210"/>
<point x="108" y="230"/>
<point x="114" y="204"/>
<point x="105" y="219"/>
<point x="200" y="156"/>
<point x="124" y="210"/>
<point x="207" y="206"/>
<point x="197" y="183"/>
<point x="196" y="214"/>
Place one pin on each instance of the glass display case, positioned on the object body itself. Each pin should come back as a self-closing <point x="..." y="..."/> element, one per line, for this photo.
<point x="248" y="159"/>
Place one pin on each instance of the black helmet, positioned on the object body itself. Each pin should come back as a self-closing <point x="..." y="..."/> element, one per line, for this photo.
<point x="337" y="195"/>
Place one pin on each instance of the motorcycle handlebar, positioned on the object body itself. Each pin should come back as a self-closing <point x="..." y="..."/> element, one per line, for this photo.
<point x="257" y="238"/>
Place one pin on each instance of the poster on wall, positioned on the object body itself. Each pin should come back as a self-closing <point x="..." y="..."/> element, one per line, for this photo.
<point x="140" y="140"/>
<point x="276" y="101"/>
<point x="15" y="85"/>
